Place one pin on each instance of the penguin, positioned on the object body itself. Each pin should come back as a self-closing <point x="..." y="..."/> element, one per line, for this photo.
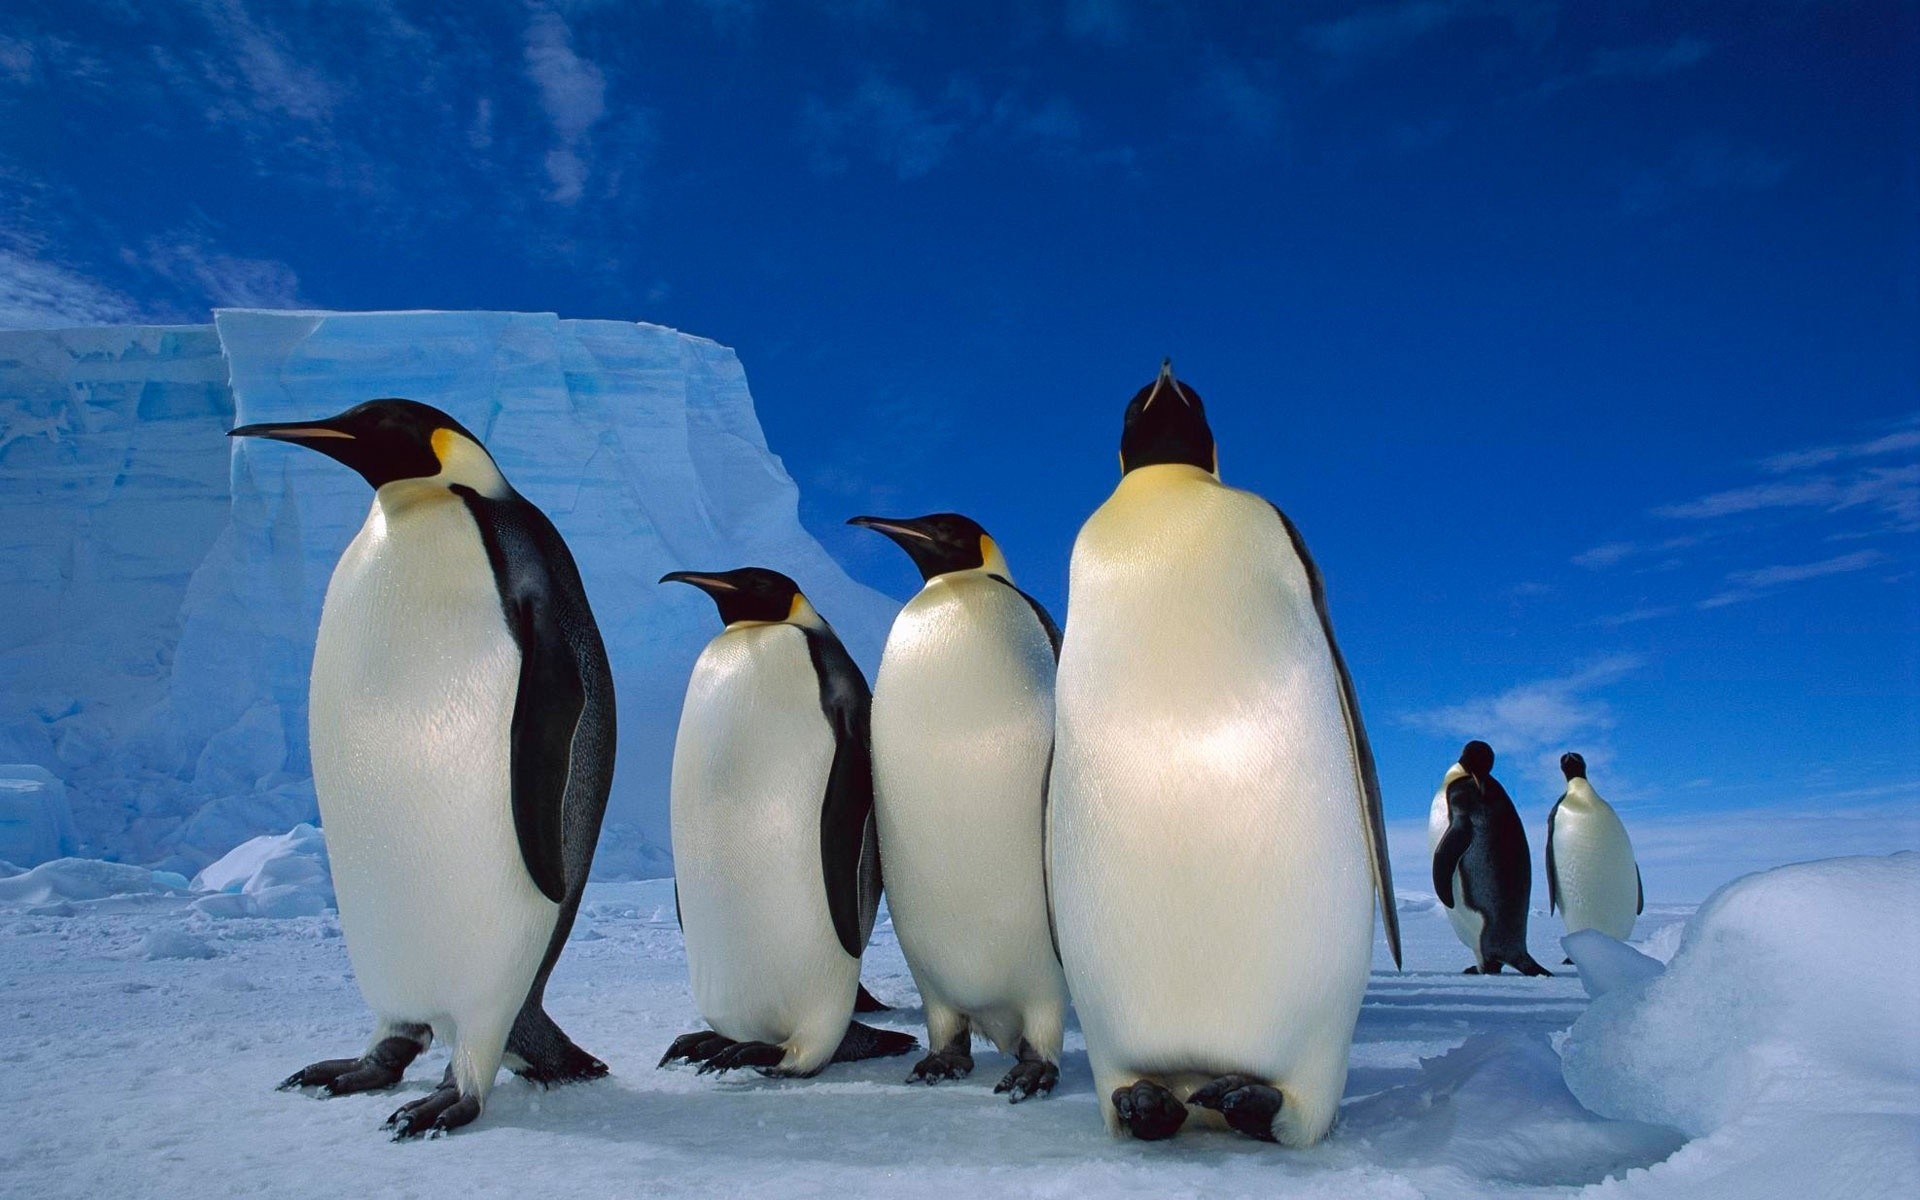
<point x="1215" y="839"/>
<point x="461" y="716"/>
<point x="1592" y="877"/>
<point x="776" y="859"/>
<point x="1482" y="870"/>
<point x="962" y="735"/>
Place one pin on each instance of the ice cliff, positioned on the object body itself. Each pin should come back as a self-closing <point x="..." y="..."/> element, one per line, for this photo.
<point x="160" y="586"/>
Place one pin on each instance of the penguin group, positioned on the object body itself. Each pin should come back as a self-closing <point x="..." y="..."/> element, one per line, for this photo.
<point x="1167" y="815"/>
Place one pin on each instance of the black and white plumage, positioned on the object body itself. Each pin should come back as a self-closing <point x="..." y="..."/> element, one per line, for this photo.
<point x="1592" y="878"/>
<point x="1482" y="869"/>
<point x="776" y="857"/>
<point x="462" y="730"/>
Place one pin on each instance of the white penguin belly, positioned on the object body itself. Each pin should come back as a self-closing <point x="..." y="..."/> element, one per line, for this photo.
<point x="414" y="680"/>
<point x="962" y="730"/>
<point x="1593" y="861"/>
<point x="749" y="778"/>
<point x="1211" y="882"/>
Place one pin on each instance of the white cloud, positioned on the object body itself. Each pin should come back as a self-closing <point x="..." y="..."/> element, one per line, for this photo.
<point x="573" y="94"/>
<point x="914" y="135"/>
<point x="1531" y="724"/>
<point x="1387" y="29"/>
<point x="1891" y="491"/>
<point x="1752" y="583"/>
<point x="1820" y="456"/>
<point x="1677" y="55"/>
<point x="217" y="279"/>
<point x="37" y="293"/>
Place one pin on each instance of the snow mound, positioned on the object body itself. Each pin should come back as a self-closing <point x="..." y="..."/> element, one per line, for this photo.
<point x="35" y="824"/>
<point x="1781" y="1036"/>
<point x="1606" y="963"/>
<point x="175" y="943"/>
<point x="282" y="875"/>
<point x="84" y="879"/>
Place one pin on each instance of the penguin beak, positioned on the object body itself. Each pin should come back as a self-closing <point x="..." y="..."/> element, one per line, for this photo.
<point x="899" y="531"/>
<point x="710" y="584"/>
<point x="293" y="431"/>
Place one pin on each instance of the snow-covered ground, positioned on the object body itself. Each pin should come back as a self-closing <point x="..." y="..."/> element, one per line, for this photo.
<point x="142" y="1034"/>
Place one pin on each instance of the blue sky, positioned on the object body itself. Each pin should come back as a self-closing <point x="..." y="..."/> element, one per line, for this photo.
<point x="1579" y="339"/>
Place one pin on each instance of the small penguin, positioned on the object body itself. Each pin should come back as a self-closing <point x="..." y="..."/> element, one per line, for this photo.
<point x="462" y="727"/>
<point x="962" y="737"/>
<point x="776" y="861"/>
<point x="1215" y="841"/>
<point x="1482" y="870"/>
<point x="1591" y="874"/>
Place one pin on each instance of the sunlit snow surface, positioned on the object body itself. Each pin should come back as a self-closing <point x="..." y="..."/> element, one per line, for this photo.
<point x="142" y="1038"/>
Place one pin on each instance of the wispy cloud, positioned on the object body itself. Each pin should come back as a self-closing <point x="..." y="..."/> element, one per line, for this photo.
<point x="1640" y="61"/>
<point x="1893" y="492"/>
<point x="1905" y="438"/>
<point x="37" y="293"/>
<point x="1752" y="583"/>
<point x="1532" y="723"/>
<point x="1611" y="554"/>
<point x="1706" y="165"/>
<point x="914" y="135"/>
<point x="1633" y="616"/>
<point x="1384" y="30"/>
<point x="1107" y="22"/>
<point x="196" y="268"/>
<point x="1249" y="103"/>
<point x="573" y="94"/>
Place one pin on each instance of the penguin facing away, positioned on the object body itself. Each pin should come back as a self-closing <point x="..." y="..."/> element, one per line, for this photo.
<point x="962" y="738"/>
<point x="1215" y="839"/>
<point x="777" y="867"/>
<point x="1592" y="877"/>
<point x="462" y="726"/>
<point x="1482" y="869"/>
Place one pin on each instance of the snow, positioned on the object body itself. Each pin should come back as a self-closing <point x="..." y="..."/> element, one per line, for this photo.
<point x="163" y="583"/>
<point x="1607" y="964"/>
<point x="1781" y="1036"/>
<point x="269" y="876"/>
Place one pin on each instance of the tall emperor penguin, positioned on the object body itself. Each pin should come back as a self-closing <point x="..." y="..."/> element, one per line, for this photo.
<point x="462" y="727"/>
<point x="962" y="733"/>
<point x="1592" y="877"/>
<point x="1215" y="839"/>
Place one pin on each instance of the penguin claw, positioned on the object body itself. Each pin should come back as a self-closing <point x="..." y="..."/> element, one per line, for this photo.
<point x="744" y="1054"/>
<point x="1149" y="1111"/>
<point x="1030" y="1078"/>
<point x="376" y="1070"/>
<point x="697" y="1047"/>
<point x="1248" y="1105"/>
<point x="942" y="1064"/>
<point x="440" y="1111"/>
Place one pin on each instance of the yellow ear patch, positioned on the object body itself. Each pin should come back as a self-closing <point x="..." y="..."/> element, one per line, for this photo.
<point x="443" y="442"/>
<point x="798" y="607"/>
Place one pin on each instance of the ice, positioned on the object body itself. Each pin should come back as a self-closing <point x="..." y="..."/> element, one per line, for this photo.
<point x="163" y="584"/>
<point x="35" y="823"/>
<point x="84" y="879"/>
<point x="1607" y="964"/>
<point x="175" y="943"/>
<point x="271" y="876"/>
<point x="1781" y="1035"/>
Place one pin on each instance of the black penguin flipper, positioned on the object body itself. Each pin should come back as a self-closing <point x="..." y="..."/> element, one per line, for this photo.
<point x="1372" y="819"/>
<point x="849" y="850"/>
<point x="1453" y="845"/>
<point x="1046" y="854"/>
<point x="1640" y="905"/>
<point x="545" y="714"/>
<point x="1553" y="876"/>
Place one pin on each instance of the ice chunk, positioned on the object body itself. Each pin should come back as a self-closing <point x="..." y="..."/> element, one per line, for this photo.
<point x="35" y="823"/>
<point x="1606" y="963"/>
<point x="175" y="943"/>
<point x="84" y="879"/>
<point x="285" y="875"/>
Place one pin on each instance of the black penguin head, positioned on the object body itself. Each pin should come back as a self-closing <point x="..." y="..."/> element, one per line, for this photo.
<point x="1166" y="423"/>
<point x="1573" y="766"/>
<point x="750" y="594"/>
<point x="1477" y="758"/>
<point x="390" y="440"/>
<point x="941" y="543"/>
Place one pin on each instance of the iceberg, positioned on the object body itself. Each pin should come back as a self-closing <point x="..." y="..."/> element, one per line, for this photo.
<point x="167" y="582"/>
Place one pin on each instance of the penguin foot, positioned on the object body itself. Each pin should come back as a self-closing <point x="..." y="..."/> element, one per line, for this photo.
<point x="1474" y="971"/>
<point x="865" y="1001"/>
<point x="1566" y="962"/>
<point x="696" y="1047"/>
<point x="1029" y="1077"/>
<point x="942" y="1064"/>
<point x="376" y="1070"/>
<point x="1248" y="1105"/>
<point x="761" y="1055"/>
<point x="442" y="1110"/>
<point x="547" y="1056"/>
<point x="1149" y="1111"/>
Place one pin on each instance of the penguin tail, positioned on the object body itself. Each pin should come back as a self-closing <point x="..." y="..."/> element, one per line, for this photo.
<point x="864" y="1042"/>
<point x="865" y="1001"/>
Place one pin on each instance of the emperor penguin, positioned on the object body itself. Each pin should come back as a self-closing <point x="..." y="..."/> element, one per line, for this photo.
<point x="1482" y="870"/>
<point x="962" y="735"/>
<point x="1592" y="877"/>
<point x="1215" y="841"/>
<point x="462" y="727"/>
<point x="776" y="860"/>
